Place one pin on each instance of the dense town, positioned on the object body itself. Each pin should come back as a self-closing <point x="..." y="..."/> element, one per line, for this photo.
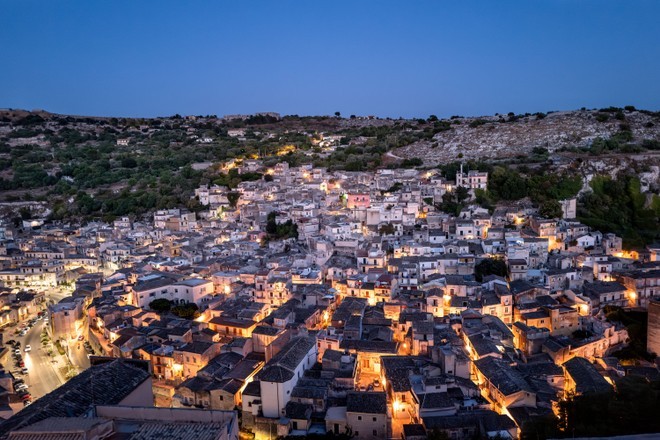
<point x="318" y="302"/>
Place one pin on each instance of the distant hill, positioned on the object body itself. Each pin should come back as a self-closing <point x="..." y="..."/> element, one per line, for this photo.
<point x="86" y="166"/>
<point x="512" y="135"/>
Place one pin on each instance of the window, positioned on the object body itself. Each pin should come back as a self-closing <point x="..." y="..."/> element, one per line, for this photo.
<point x="374" y="421"/>
<point x="359" y="417"/>
<point x="223" y="398"/>
<point x="375" y="433"/>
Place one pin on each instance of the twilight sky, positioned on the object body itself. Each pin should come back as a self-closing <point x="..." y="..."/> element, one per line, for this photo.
<point x="387" y="58"/>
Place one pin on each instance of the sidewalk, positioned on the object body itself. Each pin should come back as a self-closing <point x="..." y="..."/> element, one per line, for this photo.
<point x="59" y="364"/>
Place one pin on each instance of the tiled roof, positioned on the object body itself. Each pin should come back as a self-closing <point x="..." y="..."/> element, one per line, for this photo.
<point x="371" y="403"/>
<point x="283" y="365"/>
<point x="104" y="384"/>
<point x="178" y="431"/>
<point x="498" y="372"/>
<point x="587" y="379"/>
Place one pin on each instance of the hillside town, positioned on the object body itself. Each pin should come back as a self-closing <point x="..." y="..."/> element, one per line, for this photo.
<point x="314" y="302"/>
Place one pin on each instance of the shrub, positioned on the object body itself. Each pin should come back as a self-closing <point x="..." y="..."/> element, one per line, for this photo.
<point x="186" y="311"/>
<point x="160" y="305"/>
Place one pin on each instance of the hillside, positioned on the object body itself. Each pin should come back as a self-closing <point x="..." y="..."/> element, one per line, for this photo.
<point x="104" y="167"/>
<point x="511" y="135"/>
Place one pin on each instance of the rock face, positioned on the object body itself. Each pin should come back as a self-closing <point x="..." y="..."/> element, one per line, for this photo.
<point x="494" y="137"/>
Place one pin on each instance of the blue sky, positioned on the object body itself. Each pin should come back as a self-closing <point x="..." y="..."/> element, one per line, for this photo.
<point x="385" y="58"/>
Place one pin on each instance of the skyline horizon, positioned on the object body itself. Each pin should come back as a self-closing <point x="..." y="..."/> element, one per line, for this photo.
<point x="342" y="114"/>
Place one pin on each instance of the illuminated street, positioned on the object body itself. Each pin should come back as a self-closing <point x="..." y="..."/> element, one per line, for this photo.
<point x="42" y="377"/>
<point x="45" y="373"/>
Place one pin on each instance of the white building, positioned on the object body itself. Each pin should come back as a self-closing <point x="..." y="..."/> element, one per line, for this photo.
<point x="282" y="373"/>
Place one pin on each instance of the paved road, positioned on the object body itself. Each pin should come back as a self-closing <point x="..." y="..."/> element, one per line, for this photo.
<point x="41" y="378"/>
<point x="78" y="356"/>
<point x="45" y="373"/>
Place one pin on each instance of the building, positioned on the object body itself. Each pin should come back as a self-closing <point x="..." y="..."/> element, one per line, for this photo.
<point x="283" y="371"/>
<point x="366" y="415"/>
<point x="472" y="179"/>
<point x="581" y="377"/>
<point x="653" y="332"/>
<point x="109" y="382"/>
<point x="132" y="422"/>
<point x="66" y="318"/>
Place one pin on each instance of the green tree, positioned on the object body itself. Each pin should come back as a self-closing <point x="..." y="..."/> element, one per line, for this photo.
<point x="186" y="311"/>
<point x="490" y="266"/>
<point x="25" y="213"/>
<point x="461" y="194"/>
<point x="550" y="209"/>
<point x="386" y="229"/>
<point x="233" y="197"/>
<point x="160" y="305"/>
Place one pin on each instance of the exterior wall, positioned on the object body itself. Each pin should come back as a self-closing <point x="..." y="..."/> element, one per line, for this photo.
<point x="367" y="426"/>
<point x="66" y="322"/>
<point x="278" y="394"/>
<point x="653" y="333"/>
<point x="358" y="201"/>
<point x="223" y="400"/>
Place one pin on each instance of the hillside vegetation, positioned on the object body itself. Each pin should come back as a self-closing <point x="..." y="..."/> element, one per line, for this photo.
<point x="77" y="166"/>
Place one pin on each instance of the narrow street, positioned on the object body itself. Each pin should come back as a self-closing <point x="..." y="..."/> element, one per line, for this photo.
<point x="45" y="373"/>
<point x="42" y="377"/>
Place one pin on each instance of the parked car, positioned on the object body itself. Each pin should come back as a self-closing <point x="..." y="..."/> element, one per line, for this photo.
<point x="10" y="342"/>
<point x="21" y="364"/>
<point x="21" y="387"/>
<point x="24" y="370"/>
<point x="28" y="348"/>
<point x="17" y="351"/>
<point x="27" y="402"/>
<point x="81" y="337"/>
<point x="27" y="396"/>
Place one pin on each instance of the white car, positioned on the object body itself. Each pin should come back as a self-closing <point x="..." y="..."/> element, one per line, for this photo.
<point x="28" y="348"/>
<point x="21" y="387"/>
